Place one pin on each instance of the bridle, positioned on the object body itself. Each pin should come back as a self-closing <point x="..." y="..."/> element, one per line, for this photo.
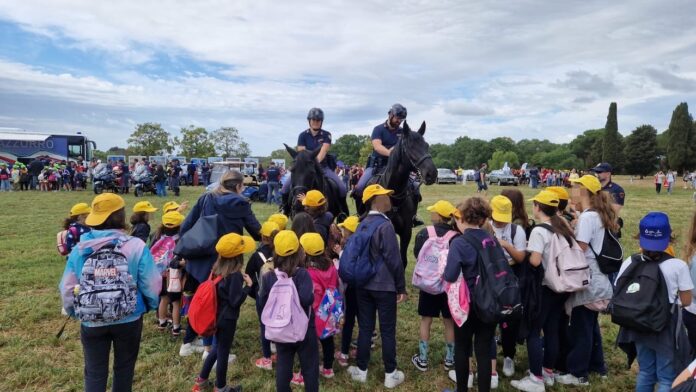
<point x="416" y="164"/>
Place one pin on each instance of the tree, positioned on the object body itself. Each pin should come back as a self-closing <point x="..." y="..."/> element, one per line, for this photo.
<point x="612" y="146"/>
<point x="587" y="148"/>
<point x="503" y="144"/>
<point x="347" y="148"/>
<point x="559" y="158"/>
<point x="641" y="150"/>
<point x="195" y="142"/>
<point x="500" y="157"/>
<point x="680" y="139"/>
<point x="150" y="139"/>
<point x="228" y="143"/>
<point x="526" y="148"/>
<point x="365" y="152"/>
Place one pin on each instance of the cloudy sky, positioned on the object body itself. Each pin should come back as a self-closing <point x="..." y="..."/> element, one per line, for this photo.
<point x="524" y="69"/>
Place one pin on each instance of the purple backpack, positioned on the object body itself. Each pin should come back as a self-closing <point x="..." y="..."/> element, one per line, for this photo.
<point x="432" y="258"/>
<point x="283" y="316"/>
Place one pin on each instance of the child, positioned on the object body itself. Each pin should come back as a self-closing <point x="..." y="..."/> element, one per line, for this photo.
<point x="350" y="314"/>
<point x="657" y="352"/>
<point x="163" y="243"/>
<point x="139" y="220"/>
<point x="303" y="223"/>
<point x="231" y="293"/>
<point x="288" y="257"/>
<point x="75" y="224"/>
<point x="519" y="212"/>
<point x="161" y="181"/>
<point x="43" y="181"/>
<point x="255" y="268"/>
<point x="324" y="277"/>
<point x="429" y="305"/>
<point x="563" y="198"/>
<point x="316" y="206"/>
<point x="513" y="240"/>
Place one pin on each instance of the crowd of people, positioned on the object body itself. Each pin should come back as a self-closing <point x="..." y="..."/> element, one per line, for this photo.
<point x="309" y="259"/>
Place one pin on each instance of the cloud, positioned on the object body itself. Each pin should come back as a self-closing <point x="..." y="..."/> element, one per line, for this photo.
<point x="670" y="81"/>
<point x="464" y="108"/>
<point x="586" y="81"/>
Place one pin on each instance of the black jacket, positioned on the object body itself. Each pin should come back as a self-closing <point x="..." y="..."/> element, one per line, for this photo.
<point x="253" y="268"/>
<point x="231" y="295"/>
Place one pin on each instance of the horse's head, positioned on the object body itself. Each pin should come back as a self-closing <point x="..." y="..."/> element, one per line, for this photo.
<point x="305" y="169"/>
<point x="418" y="152"/>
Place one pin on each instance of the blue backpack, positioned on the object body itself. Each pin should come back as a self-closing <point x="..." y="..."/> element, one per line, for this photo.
<point x="355" y="267"/>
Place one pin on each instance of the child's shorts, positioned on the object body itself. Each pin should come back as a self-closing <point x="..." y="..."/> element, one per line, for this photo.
<point x="430" y="305"/>
<point x="173" y="297"/>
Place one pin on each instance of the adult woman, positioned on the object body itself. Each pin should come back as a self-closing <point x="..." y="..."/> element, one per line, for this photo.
<point x="122" y="325"/>
<point x="234" y="215"/>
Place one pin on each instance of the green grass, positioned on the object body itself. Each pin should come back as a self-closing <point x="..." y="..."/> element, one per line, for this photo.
<point x="32" y="359"/>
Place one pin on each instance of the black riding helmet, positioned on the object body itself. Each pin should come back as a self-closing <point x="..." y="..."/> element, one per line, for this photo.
<point x="315" y="114"/>
<point x="398" y="110"/>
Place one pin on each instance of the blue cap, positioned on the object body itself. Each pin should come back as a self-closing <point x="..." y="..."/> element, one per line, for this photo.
<point x="655" y="232"/>
<point x="602" y="168"/>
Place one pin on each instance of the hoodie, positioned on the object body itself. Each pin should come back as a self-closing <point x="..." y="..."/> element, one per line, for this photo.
<point x="141" y="267"/>
<point x="234" y="214"/>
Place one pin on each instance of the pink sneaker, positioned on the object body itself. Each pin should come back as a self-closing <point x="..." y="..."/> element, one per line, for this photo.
<point x="201" y="385"/>
<point x="353" y="353"/>
<point x="264" y="363"/>
<point x="297" y="379"/>
<point x="326" y="373"/>
<point x="341" y="358"/>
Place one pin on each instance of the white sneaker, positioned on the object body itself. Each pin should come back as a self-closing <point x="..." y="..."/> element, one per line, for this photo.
<point x="569" y="379"/>
<point x="452" y="374"/>
<point x="356" y="374"/>
<point x="393" y="379"/>
<point x="530" y="383"/>
<point x="508" y="367"/>
<point x="187" y="349"/>
<point x="549" y="377"/>
<point x="494" y="381"/>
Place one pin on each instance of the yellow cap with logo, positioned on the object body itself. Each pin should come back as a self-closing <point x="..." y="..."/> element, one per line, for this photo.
<point x="268" y="227"/>
<point x="375" y="190"/>
<point x="144" y="206"/>
<point x="546" y="198"/>
<point x="312" y="243"/>
<point x="350" y="223"/>
<point x="444" y="209"/>
<point x="591" y="183"/>
<point x="314" y="198"/>
<point x="80" y="209"/>
<point x="286" y="243"/>
<point x="103" y="206"/>
<point x="233" y="244"/>
<point x="280" y="219"/>
<point x="502" y="209"/>
<point x="170" y="206"/>
<point x="172" y="219"/>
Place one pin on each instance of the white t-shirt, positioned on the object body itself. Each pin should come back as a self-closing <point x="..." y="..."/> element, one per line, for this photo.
<point x="539" y="240"/>
<point x="692" y="272"/>
<point x="676" y="274"/>
<point x="505" y="233"/>
<point x="590" y="231"/>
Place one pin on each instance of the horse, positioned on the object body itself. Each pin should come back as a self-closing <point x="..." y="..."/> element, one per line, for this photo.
<point x="307" y="175"/>
<point x="410" y="154"/>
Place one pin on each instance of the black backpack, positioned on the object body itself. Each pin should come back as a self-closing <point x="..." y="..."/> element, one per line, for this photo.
<point x="610" y="257"/>
<point x="687" y="386"/>
<point x="496" y="295"/>
<point x="640" y="301"/>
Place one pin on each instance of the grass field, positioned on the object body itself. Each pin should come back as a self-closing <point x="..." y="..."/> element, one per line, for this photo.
<point x="32" y="359"/>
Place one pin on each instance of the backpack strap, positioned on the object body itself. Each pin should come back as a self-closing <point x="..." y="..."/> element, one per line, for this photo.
<point x="513" y="231"/>
<point x="263" y="257"/>
<point x="449" y="235"/>
<point x="431" y="232"/>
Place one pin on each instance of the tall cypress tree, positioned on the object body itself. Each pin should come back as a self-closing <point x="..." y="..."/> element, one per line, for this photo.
<point x="612" y="144"/>
<point x="680" y="136"/>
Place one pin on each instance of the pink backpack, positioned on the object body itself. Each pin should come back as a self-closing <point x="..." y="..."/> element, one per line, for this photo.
<point x="283" y="316"/>
<point x="432" y="258"/>
<point x="566" y="270"/>
<point x="163" y="252"/>
<point x="458" y="300"/>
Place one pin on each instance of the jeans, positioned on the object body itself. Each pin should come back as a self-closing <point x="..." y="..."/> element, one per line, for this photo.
<point x="653" y="368"/>
<point x="272" y="189"/>
<point x="265" y="343"/>
<point x="126" y="183"/>
<point x="96" y="345"/>
<point x="351" y="313"/>
<point x="4" y="185"/>
<point x="482" y="346"/>
<point x="161" y="188"/>
<point x="224" y="337"/>
<point x="384" y="303"/>
<point x="34" y="182"/>
<point x="367" y="174"/>
<point x="586" y="351"/>
<point x="545" y="352"/>
<point x="658" y="188"/>
<point x="308" y="351"/>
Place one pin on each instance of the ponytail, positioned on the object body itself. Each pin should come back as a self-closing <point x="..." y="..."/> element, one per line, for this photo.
<point x="602" y="203"/>
<point x="559" y="224"/>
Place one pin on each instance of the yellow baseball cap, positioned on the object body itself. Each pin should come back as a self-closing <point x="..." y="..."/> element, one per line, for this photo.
<point x="444" y="208"/>
<point x="170" y="206"/>
<point x="144" y="206"/>
<point x="80" y="209"/>
<point x="502" y="209"/>
<point x="172" y="219"/>
<point x="279" y="219"/>
<point x="103" y="206"/>
<point x="546" y="198"/>
<point x="286" y="243"/>
<point x="268" y="227"/>
<point x="233" y="244"/>
<point x="560" y="191"/>
<point x="312" y="243"/>
<point x="591" y="183"/>
<point x="314" y="198"/>
<point x="375" y="190"/>
<point x="350" y="223"/>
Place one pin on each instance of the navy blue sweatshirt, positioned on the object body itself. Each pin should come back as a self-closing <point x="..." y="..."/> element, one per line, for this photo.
<point x="463" y="256"/>
<point x="231" y="295"/>
<point x="305" y="289"/>
<point x="390" y="276"/>
<point x="322" y="225"/>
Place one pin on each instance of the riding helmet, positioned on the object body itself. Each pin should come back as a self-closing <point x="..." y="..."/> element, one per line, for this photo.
<point x="315" y="114"/>
<point x="398" y="110"/>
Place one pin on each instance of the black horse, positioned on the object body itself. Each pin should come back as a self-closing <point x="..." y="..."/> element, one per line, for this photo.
<point x="307" y="175"/>
<point x="410" y="154"/>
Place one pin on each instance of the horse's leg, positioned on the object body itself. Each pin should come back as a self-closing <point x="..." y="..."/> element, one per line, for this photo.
<point x="405" y="240"/>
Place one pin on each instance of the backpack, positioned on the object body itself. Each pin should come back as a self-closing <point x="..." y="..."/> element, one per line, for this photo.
<point x="329" y="314"/>
<point x="174" y="280"/>
<point x="265" y="268"/>
<point x="458" y="300"/>
<point x="688" y="385"/>
<point x="163" y="251"/>
<point x="640" y="300"/>
<point x="283" y="316"/>
<point x="107" y="290"/>
<point x="610" y="257"/>
<point x="496" y="295"/>
<point x="202" y="312"/>
<point x="355" y="267"/>
<point x="477" y="176"/>
<point x="566" y="269"/>
<point x="432" y="258"/>
<point x="62" y="240"/>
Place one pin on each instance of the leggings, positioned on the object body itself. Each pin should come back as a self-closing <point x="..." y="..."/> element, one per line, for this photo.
<point x="220" y="353"/>
<point x="327" y="349"/>
<point x="350" y="316"/>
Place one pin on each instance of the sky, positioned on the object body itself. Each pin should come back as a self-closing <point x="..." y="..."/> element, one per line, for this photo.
<point x="521" y="69"/>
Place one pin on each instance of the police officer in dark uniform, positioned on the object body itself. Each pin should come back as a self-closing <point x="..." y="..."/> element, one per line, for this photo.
<point x="315" y="137"/>
<point x="603" y="172"/>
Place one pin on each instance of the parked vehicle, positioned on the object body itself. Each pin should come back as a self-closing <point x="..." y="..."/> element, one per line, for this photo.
<point x="144" y="185"/>
<point x="106" y="182"/>
<point x="501" y="178"/>
<point x="446" y="176"/>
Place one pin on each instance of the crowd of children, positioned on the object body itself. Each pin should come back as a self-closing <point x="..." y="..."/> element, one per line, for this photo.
<point x="311" y="285"/>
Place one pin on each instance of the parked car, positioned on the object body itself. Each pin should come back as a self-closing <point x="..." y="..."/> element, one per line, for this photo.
<point x="446" y="176"/>
<point x="501" y="178"/>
